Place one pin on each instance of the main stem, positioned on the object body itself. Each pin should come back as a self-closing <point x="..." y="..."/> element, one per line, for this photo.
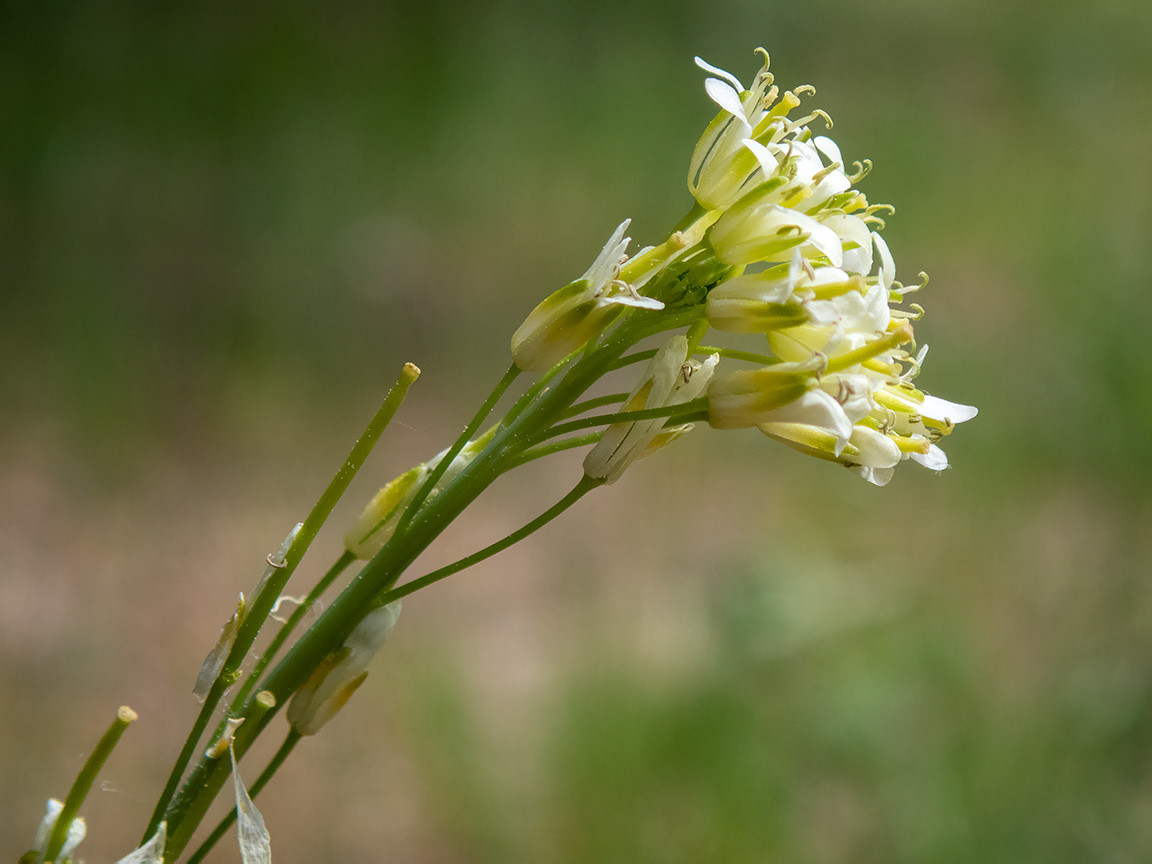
<point x="381" y="573"/>
<point x="539" y="409"/>
<point x="263" y="602"/>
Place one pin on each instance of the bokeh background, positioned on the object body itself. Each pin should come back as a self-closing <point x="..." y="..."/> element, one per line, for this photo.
<point x="222" y="230"/>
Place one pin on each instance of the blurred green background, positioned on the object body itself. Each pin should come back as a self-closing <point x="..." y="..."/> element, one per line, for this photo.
<point x="223" y="229"/>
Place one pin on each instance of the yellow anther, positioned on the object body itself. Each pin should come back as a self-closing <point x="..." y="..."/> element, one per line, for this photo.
<point x="769" y="97"/>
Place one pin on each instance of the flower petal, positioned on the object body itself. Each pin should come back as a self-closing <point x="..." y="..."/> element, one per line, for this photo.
<point x="934" y="459"/>
<point x="727" y="98"/>
<point x="715" y="70"/>
<point x="949" y="412"/>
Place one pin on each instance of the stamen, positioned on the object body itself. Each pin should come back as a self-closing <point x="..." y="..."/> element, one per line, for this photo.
<point x="898" y="336"/>
<point x="769" y="97"/>
<point x="923" y="284"/>
<point x="820" y="175"/>
<point x="862" y="170"/>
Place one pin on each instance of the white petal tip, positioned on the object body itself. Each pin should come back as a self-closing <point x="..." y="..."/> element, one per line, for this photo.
<point x="636" y="302"/>
<point x="935" y="459"/>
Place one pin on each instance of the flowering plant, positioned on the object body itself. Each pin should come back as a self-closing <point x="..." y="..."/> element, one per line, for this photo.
<point x="778" y="242"/>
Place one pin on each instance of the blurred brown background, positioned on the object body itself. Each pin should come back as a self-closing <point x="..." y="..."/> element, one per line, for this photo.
<point x="223" y="230"/>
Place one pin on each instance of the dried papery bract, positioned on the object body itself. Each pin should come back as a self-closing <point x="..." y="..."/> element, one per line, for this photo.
<point x="151" y="852"/>
<point x="255" y="844"/>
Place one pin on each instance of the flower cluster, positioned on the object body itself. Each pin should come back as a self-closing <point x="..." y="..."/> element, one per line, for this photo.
<point x="781" y="243"/>
<point x="818" y="279"/>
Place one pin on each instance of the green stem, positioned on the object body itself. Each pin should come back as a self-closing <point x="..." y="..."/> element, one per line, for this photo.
<point x="538" y="387"/>
<point x="691" y="216"/>
<point x="219" y="768"/>
<point x="510" y="438"/>
<point x="586" y="485"/>
<point x="84" y="781"/>
<point x="693" y="407"/>
<point x="534" y="453"/>
<point x="634" y="357"/>
<point x="734" y="354"/>
<point x="263" y="602"/>
<point x="454" y="450"/>
<point x="697" y="332"/>
<point x="286" y="629"/>
<point x="596" y="402"/>
<point x="267" y="774"/>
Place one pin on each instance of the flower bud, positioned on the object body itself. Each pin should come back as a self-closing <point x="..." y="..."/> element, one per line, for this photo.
<point x="758" y="229"/>
<point x="76" y="832"/>
<point x="577" y="313"/>
<point x="378" y="520"/>
<point x="334" y="681"/>
<point x="747" y="397"/>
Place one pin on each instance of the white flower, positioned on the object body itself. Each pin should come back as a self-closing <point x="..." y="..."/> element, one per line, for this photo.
<point x="723" y="167"/>
<point x="671" y="379"/>
<point x="758" y="228"/>
<point x="738" y="399"/>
